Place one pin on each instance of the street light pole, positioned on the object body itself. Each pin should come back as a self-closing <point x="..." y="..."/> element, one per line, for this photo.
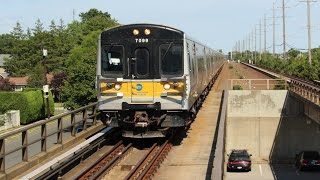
<point x="44" y="54"/>
<point x="46" y="86"/>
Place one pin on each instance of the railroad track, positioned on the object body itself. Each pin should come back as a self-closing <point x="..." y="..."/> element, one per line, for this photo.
<point x="143" y="169"/>
<point x="103" y="165"/>
<point x="313" y="83"/>
<point x="149" y="164"/>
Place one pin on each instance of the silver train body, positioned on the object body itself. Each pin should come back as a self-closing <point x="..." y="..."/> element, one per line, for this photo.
<point x="152" y="78"/>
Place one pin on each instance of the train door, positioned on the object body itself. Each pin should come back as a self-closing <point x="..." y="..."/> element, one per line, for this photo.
<point x="142" y="75"/>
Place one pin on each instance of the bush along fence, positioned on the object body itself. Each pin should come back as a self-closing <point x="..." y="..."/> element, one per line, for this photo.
<point x="32" y="104"/>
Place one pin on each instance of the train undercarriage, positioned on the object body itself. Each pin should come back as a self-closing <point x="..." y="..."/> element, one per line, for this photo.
<point x="146" y="123"/>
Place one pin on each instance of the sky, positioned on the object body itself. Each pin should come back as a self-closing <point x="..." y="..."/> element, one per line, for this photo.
<point x="216" y="23"/>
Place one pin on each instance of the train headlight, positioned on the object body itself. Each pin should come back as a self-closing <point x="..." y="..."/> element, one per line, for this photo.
<point x="135" y="32"/>
<point x="166" y="86"/>
<point x="147" y="31"/>
<point x="117" y="87"/>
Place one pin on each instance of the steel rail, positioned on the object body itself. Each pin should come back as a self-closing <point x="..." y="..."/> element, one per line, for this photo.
<point x="105" y="169"/>
<point x="156" y="161"/>
<point x="105" y="163"/>
<point x="135" y="171"/>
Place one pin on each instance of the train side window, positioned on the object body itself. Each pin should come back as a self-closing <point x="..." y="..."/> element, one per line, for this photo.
<point x="171" y="56"/>
<point x="112" y="59"/>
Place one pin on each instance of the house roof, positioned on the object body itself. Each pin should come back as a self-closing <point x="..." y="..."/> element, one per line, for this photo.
<point x="2" y="56"/>
<point x="23" y="81"/>
<point x="19" y="80"/>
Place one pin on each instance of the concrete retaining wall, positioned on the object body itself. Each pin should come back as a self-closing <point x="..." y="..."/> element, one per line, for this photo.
<point x="264" y="103"/>
<point x="270" y="124"/>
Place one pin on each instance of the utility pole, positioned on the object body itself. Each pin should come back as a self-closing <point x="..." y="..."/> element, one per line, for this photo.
<point x="44" y="54"/>
<point x="265" y="33"/>
<point x="249" y="48"/>
<point x="46" y="86"/>
<point x="274" y="31"/>
<point x="231" y="53"/>
<point x="236" y="49"/>
<point x="255" y="44"/>
<point x="239" y="48"/>
<point x="243" y="47"/>
<point x="284" y="29"/>
<point x="260" y="34"/>
<point x="309" y="32"/>
<point x="73" y="14"/>
<point x="246" y="46"/>
<point x="252" y="38"/>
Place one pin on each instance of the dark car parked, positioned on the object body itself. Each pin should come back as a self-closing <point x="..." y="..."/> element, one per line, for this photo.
<point x="239" y="160"/>
<point x="308" y="160"/>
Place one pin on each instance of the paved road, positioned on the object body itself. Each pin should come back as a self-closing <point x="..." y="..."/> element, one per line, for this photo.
<point x="288" y="171"/>
<point x="258" y="171"/>
<point x="277" y="172"/>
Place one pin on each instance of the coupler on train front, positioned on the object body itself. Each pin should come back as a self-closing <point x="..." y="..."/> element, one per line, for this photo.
<point x="146" y="123"/>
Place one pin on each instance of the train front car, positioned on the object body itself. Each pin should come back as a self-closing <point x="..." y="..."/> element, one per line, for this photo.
<point x="141" y="79"/>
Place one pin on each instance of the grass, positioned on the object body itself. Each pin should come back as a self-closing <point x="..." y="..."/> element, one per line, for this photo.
<point x="58" y="104"/>
<point x="58" y="108"/>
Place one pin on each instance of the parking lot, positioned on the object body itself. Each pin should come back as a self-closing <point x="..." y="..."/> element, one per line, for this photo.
<point x="277" y="172"/>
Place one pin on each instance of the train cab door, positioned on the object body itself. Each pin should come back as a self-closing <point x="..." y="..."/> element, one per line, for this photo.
<point x="142" y="75"/>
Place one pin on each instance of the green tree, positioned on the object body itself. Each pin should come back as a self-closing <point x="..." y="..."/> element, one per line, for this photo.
<point x="18" y="32"/>
<point x="36" y="78"/>
<point x="56" y="84"/>
<point x="293" y="53"/>
<point x="79" y="89"/>
<point x="38" y="28"/>
<point x="71" y="48"/>
<point x="93" y="13"/>
<point x="7" y="42"/>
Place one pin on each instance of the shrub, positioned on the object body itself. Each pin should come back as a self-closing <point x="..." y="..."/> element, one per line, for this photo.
<point x="31" y="104"/>
<point x="237" y="87"/>
<point x="280" y="85"/>
<point x="6" y="85"/>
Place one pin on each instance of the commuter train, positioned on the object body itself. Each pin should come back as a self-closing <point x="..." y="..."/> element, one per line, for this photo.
<point x="152" y="78"/>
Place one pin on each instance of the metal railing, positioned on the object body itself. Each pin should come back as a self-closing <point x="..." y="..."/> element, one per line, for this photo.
<point x="309" y="92"/>
<point x="301" y="87"/>
<point x="75" y="118"/>
<point x="256" y="84"/>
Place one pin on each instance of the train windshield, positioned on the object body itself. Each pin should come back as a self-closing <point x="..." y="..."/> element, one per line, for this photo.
<point x="112" y="59"/>
<point x="171" y="56"/>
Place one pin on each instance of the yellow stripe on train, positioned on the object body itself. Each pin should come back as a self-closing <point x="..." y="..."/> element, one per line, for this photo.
<point x="143" y="89"/>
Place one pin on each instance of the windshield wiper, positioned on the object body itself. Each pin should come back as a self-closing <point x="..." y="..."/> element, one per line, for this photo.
<point x="110" y="48"/>
<point x="166" y="51"/>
